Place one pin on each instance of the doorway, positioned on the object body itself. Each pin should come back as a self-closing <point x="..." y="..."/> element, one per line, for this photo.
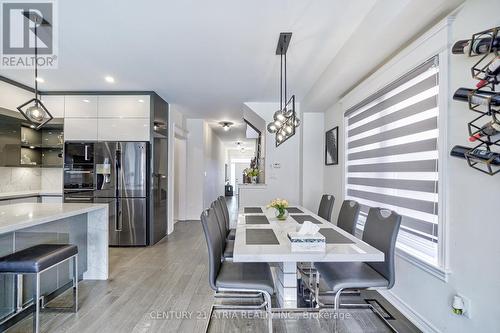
<point x="180" y="165"/>
<point x="237" y="167"/>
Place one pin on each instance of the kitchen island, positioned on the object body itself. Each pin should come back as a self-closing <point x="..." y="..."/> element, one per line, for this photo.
<point x="27" y="224"/>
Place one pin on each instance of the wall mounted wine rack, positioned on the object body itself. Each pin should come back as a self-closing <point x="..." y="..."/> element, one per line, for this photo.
<point x="484" y="156"/>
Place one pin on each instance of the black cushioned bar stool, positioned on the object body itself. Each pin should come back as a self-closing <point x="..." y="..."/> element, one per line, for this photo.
<point x="36" y="260"/>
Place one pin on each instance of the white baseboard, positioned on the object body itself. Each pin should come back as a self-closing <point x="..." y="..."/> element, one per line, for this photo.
<point x="423" y="324"/>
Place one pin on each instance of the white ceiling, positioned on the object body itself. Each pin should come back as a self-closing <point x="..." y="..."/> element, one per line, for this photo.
<point x="205" y="57"/>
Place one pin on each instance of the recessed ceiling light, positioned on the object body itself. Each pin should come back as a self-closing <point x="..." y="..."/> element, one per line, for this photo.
<point x="141" y="101"/>
<point x="85" y="101"/>
<point x="109" y="79"/>
<point x="39" y="79"/>
<point x="32" y="147"/>
<point x="32" y="126"/>
<point x="226" y="125"/>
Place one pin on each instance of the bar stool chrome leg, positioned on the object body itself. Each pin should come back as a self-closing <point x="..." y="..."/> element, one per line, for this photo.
<point x="75" y="284"/>
<point x="36" y="300"/>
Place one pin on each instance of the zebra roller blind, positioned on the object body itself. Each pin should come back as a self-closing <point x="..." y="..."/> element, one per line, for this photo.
<point x="392" y="156"/>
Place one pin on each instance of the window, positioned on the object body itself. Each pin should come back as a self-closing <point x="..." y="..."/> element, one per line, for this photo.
<point x="392" y="157"/>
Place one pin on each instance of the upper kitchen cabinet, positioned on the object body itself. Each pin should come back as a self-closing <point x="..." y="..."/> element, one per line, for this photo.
<point x="80" y="129"/>
<point x="123" y="129"/>
<point x="12" y="96"/>
<point x="124" y="106"/>
<point x="55" y="105"/>
<point x="81" y="106"/>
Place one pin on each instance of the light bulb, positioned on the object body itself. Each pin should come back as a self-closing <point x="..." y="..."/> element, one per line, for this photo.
<point x="288" y="129"/>
<point x="35" y="113"/>
<point x="296" y="122"/>
<point x="271" y="128"/>
<point x="278" y="116"/>
<point x="278" y="123"/>
<point x="226" y="128"/>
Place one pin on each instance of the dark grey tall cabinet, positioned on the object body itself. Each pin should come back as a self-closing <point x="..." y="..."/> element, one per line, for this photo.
<point x="159" y="169"/>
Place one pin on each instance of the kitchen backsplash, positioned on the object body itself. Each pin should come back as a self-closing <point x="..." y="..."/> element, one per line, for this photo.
<point x="28" y="179"/>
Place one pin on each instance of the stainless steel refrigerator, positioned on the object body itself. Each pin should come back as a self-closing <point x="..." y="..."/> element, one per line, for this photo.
<point x="121" y="181"/>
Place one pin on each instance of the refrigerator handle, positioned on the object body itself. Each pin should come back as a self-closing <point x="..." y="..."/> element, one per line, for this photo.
<point x="118" y="221"/>
<point x="86" y="152"/>
<point x="118" y="157"/>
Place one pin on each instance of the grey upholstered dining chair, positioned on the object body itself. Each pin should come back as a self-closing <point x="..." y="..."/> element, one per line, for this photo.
<point x="239" y="278"/>
<point x="381" y="231"/>
<point x="326" y="207"/>
<point x="227" y="246"/>
<point x="231" y="232"/>
<point x="348" y="216"/>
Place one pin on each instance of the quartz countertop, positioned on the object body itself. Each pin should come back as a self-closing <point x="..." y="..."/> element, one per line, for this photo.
<point x="27" y="194"/>
<point x="23" y="215"/>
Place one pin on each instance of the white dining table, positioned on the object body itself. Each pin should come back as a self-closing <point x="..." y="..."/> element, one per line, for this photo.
<point x="263" y="247"/>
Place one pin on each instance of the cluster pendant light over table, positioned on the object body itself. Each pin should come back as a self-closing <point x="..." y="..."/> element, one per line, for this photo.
<point x="285" y="120"/>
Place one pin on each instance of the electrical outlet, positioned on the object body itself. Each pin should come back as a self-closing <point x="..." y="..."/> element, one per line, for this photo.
<point x="467" y="306"/>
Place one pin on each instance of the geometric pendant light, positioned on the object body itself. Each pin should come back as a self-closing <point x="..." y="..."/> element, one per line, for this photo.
<point x="285" y="120"/>
<point x="33" y="110"/>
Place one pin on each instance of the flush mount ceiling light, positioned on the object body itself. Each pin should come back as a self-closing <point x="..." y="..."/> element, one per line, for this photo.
<point x="226" y="125"/>
<point x="109" y="79"/>
<point x="285" y="120"/>
<point x="33" y="110"/>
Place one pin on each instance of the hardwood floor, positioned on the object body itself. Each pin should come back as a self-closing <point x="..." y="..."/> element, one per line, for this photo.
<point x="165" y="288"/>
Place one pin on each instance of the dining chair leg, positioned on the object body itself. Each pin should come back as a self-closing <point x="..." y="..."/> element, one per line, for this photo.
<point x="337" y="300"/>
<point x="267" y="297"/>
<point x="75" y="284"/>
<point x="36" y="301"/>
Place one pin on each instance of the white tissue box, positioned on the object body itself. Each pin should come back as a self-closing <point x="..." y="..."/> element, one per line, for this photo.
<point x="304" y="243"/>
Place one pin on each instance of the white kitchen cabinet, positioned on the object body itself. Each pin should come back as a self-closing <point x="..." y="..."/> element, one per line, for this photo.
<point x="55" y="105"/>
<point x="80" y="129"/>
<point x="11" y="96"/>
<point x="123" y="129"/>
<point x="81" y="106"/>
<point x="51" y="199"/>
<point x="130" y="106"/>
<point x="24" y="200"/>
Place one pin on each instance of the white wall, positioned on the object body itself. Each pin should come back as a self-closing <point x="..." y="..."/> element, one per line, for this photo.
<point x="285" y="181"/>
<point x="473" y="249"/>
<point x="215" y="158"/>
<point x="313" y="151"/>
<point x="205" y="167"/>
<point x="195" y="168"/>
<point x="177" y="128"/>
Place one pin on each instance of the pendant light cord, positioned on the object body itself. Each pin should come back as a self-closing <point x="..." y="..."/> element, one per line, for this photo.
<point x="36" y="64"/>
<point x="281" y="80"/>
<point x="286" y="97"/>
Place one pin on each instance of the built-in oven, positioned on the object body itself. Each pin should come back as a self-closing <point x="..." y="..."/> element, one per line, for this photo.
<point x="79" y="174"/>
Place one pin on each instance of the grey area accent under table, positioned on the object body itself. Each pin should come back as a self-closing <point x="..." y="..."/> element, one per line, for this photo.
<point x="261" y="237"/>
<point x="253" y="210"/>
<point x="256" y="219"/>
<point x="334" y="237"/>
<point x="302" y="218"/>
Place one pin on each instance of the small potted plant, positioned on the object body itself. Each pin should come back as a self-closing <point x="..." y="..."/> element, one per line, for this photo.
<point x="280" y="205"/>
<point x="253" y="174"/>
